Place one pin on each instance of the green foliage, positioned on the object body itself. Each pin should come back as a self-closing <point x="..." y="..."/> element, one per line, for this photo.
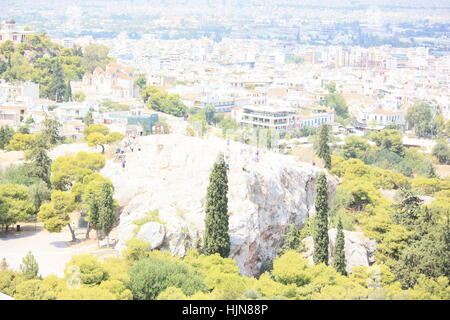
<point x="38" y="193"/>
<point x="55" y="214"/>
<point x="337" y="102"/>
<point x="29" y="267"/>
<point x="442" y="152"/>
<point x="79" y="96"/>
<point x="390" y="140"/>
<point x="340" y="262"/>
<point x="172" y="293"/>
<point x="216" y="238"/>
<point x="99" y="135"/>
<point x="49" y="64"/>
<point x="17" y="174"/>
<point x="293" y="239"/>
<point x="209" y="113"/>
<point x="421" y="117"/>
<point x="39" y="163"/>
<point x="141" y="81"/>
<point x="21" y="142"/>
<point x="88" y="120"/>
<point x="6" y="134"/>
<point x="52" y="132"/>
<point x="109" y="105"/>
<point x="320" y="234"/>
<point x="136" y="249"/>
<point x="31" y="289"/>
<point x="106" y="209"/>
<point x="14" y="204"/>
<point x="95" y="55"/>
<point x="67" y="170"/>
<point x="90" y="269"/>
<point x="162" y="101"/>
<point x="355" y="147"/>
<point x="9" y="280"/>
<point x="322" y="148"/>
<point x="228" y="125"/>
<point x="290" y="269"/>
<point x="151" y="276"/>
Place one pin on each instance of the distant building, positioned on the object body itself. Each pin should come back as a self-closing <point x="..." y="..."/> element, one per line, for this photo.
<point x="381" y="117"/>
<point x="315" y="118"/>
<point x="10" y="31"/>
<point x="281" y="120"/>
<point x="19" y="92"/>
<point x="116" y="81"/>
<point x="12" y="115"/>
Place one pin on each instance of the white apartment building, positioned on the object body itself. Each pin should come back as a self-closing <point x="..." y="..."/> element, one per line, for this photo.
<point x="381" y="117"/>
<point x="19" y="92"/>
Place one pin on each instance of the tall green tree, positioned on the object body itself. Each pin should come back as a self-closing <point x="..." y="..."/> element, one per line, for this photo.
<point x="106" y="210"/>
<point x="442" y="152"/>
<point x="210" y="110"/>
<point x="323" y="149"/>
<point x="88" y="119"/>
<point x="29" y="267"/>
<point x="6" y="135"/>
<point x="39" y="162"/>
<point x="7" y="50"/>
<point x="52" y="131"/>
<point x="217" y="239"/>
<point x="340" y="263"/>
<point x="93" y="216"/>
<point x="420" y="118"/>
<point x="292" y="239"/>
<point x="320" y="235"/>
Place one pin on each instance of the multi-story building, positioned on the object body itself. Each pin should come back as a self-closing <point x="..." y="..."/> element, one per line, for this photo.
<point x="12" y="115"/>
<point x="381" y="117"/>
<point x="10" y="31"/>
<point x="19" y="92"/>
<point x="116" y="81"/>
<point x="268" y="118"/>
<point x="314" y="118"/>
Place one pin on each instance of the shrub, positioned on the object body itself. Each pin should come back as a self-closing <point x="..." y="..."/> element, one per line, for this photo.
<point x="150" y="276"/>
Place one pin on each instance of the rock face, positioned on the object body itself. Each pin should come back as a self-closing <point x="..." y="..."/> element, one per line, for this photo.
<point x="359" y="250"/>
<point x="171" y="174"/>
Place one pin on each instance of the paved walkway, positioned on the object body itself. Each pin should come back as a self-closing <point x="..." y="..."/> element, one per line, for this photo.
<point x="51" y="250"/>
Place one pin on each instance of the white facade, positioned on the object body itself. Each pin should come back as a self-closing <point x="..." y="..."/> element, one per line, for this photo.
<point x="10" y="31"/>
<point x="19" y="92"/>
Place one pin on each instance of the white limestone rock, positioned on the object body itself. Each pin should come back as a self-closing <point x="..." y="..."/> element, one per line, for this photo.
<point x="359" y="250"/>
<point x="171" y="174"/>
<point x="153" y="233"/>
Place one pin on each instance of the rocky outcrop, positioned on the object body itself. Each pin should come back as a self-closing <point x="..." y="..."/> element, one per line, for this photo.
<point x="359" y="250"/>
<point x="171" y="174"/>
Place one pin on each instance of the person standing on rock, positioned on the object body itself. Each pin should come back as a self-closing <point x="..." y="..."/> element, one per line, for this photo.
<point x="124" y="162"/>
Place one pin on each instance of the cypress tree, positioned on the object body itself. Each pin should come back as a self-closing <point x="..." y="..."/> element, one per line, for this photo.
<point x="320" y="235"/>
<point x="323" y="149"/>
<point x="340" y="263"/>
<point x="40" y="162"/>
<point x="93" y="216"/>
<point x="106" y="210"/>
<point x="217" y="239"/>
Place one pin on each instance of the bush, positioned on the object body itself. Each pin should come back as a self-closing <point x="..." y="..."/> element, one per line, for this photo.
<point x="442" y="152"/>
<point x="90" y="269"/>
<point x="150" y="276"/>
<point x="136" y="250"/>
